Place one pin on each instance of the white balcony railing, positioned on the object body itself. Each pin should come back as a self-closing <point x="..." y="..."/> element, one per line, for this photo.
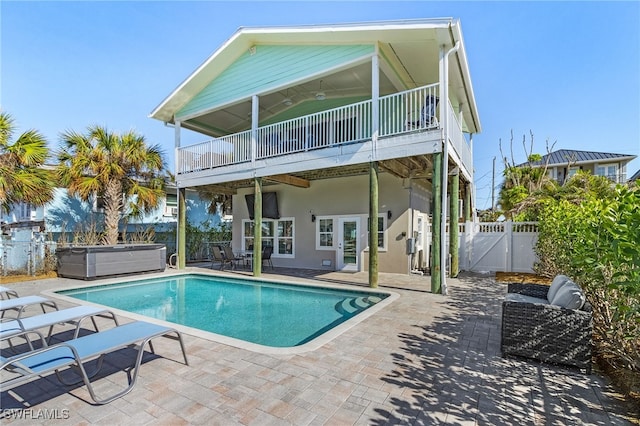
<point x="458" y="142"/>
<point x="350" y="123"/>
<point x="403" y="112"/>
<point x="408" y="111"/>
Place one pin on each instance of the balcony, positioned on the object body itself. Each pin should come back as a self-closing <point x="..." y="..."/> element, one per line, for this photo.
<point x="343" y="135"/>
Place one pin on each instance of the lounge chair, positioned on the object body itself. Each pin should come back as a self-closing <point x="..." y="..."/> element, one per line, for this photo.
<point x="73" y="315"/>
<point x="266" y="255"/>
<point x="74" y="353"/>
<point x="427" y="118"/>
<point x="217" y="256"/>
<point x="21" y="303"/>
<point x="7" y="293"/>
<point x="228" y="254"/>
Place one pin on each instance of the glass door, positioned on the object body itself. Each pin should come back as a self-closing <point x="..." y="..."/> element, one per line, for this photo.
<point x="348" y="254"/>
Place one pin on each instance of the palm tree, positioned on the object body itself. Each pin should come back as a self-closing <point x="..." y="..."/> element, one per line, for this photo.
<point x="115" y="167"/>
<point x="22" y="177"/>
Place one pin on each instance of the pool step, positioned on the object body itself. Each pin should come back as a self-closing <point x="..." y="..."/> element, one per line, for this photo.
<point x="353" y="305"/>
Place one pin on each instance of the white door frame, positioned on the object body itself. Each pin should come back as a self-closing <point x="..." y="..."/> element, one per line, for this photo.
<point x="340" y="263"/>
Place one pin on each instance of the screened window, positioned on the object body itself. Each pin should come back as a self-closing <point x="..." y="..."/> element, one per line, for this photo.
<point x="285" y="237"/>
<point x="325" y="235"/>
<point x="420" y="231"/>
<point x="382" y="226"/>
<point x="278" y="234"/>
<point x="171" y="200"/>
<point x="608" y="170"/>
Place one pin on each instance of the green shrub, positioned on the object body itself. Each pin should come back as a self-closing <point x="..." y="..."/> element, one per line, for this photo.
<point x="596" y="241"/>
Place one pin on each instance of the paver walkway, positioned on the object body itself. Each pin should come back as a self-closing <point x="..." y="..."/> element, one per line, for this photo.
<point x="425" y="359"/>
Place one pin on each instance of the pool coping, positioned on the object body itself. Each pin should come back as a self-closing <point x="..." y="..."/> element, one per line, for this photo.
<point x="312" y="345"/>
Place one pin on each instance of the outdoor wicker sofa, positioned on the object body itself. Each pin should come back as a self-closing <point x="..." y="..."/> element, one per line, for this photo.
<point x="548" y="323"/>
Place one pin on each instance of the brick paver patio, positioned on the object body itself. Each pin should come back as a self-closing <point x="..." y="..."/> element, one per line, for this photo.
<point x="425" y="359"/>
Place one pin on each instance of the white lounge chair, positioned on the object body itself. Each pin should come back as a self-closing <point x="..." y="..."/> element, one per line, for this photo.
<point x="21" y="303"/>
<point x="7" y="293"/>
<point x="75" y="315"/>
<point x="74" y="353"/>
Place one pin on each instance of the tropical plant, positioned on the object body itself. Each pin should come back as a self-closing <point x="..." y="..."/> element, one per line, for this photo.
<point x="217" y="201"/>
<point x="128" y="174"/>
<point x="594" y="239"/>
<point x="22" y="176"/>
<point x="198" y="238"/>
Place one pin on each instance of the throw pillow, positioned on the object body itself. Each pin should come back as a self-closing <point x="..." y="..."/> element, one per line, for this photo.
<point x="570" y="296"/>
<point x="556" y="285"/>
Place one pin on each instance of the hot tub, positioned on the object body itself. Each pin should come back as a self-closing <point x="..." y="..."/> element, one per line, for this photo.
<point x="90" y="262"/>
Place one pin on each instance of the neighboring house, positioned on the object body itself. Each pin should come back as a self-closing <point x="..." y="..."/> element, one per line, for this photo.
<point x="66" y="214"/>
<point x="635" y="177"/>
<point x="564" y="163"/>
<point x="302" y="114"/>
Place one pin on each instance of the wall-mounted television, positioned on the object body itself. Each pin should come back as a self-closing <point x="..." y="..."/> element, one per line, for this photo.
<point x="269" y="205"/>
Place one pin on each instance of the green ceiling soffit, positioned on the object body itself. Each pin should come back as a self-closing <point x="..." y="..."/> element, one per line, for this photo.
<point x="270" y="67"/>
<point x="311" y="107"/>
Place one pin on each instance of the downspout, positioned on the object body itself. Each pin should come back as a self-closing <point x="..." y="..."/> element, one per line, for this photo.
<point x="445" y="160"/>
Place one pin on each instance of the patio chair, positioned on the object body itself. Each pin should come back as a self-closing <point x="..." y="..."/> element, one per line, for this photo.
<point x="75" y="315"/>
<point x="217" y="256"/>
<point x="21" y="303"/>
<point x="266" y="255"/>
<point x="7" y="293"/>
<point x="427" y="118"/>
<point x="75" y="353"/>
<point x="548" y="323"/>
<point x="229" y="255"/>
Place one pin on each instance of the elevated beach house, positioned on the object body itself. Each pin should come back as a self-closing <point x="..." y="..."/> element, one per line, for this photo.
<point x="564" y="163"/>
<point x="341" y="145"/>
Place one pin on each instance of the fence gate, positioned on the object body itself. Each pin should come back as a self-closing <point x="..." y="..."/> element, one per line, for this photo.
<point x="501" y="246"/>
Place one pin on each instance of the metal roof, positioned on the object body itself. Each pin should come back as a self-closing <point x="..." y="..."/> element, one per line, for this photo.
<point x="565" y="156"/>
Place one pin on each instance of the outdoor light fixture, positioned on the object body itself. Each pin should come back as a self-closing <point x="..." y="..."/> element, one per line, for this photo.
<point x="320" y="96"/>
<point x="313" y="218"/>
<point x="388" y="214"/>
<point x="287" y="100"/>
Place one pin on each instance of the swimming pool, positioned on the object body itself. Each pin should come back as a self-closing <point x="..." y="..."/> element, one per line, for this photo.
<point x="257" y="311"/>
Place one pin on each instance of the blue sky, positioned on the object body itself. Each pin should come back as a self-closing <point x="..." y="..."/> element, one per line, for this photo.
<point x="567" y="71"/>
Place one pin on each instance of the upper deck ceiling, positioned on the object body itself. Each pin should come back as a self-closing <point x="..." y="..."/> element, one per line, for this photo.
<point x="409" y="53"/>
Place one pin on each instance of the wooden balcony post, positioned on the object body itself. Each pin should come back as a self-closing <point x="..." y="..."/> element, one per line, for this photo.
<point x="181" y="243"/>
<point x="373" y="224"/>
<point x="436" y="270"/>
<point x="453" y="224"/>
<point x="257" y="228"/>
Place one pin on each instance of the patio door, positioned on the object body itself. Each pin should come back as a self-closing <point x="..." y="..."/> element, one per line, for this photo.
<point x="348" y="253"/>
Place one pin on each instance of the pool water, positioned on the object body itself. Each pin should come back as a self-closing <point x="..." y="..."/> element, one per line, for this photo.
<point x="277" y="315"/>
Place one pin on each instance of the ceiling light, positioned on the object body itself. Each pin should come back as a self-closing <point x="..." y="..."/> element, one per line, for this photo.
<point x="287" y="100"/>
<point x="320" y="95"/>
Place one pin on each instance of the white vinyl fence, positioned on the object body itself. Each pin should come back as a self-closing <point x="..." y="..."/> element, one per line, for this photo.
<point x="25" y="257"/>
<point x="498" y="246"/>
<point x="495" y="246"/>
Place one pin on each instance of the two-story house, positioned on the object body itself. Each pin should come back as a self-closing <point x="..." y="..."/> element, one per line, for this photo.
<point x="564" y="163"/>
<point x="340" y="130"/>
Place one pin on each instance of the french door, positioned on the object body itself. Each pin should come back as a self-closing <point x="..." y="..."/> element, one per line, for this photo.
<point x="348" y="253"/>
